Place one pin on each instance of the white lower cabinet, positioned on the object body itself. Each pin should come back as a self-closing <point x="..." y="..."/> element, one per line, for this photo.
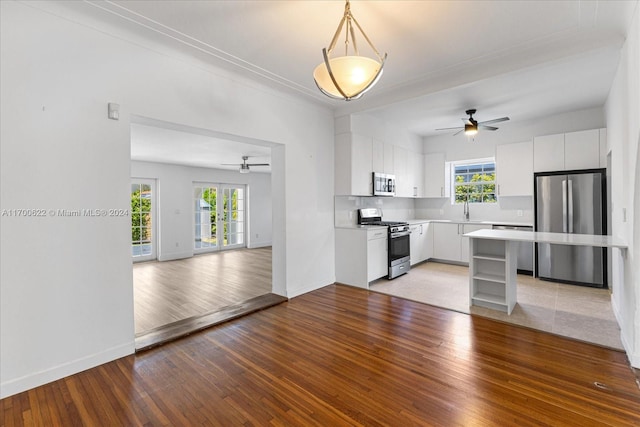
<point x="361" y="255"/>
<point x="448" y="242"/>
<point x="421" y="242"/>
<point x="377" y="258"/>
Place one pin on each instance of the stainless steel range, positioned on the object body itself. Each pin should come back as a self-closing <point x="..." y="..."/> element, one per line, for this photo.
<point x="399" y="255"/>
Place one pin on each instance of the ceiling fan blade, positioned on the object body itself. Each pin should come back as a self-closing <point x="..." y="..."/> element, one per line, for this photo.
<point x="230" y="164"/>
<point x="457" y="127"/>
<point x="257" y="164"/>
<point x="487" y="127"/>
<point x="461" y="130"/>
<point x="466" y="121"/>
<point x="488" y="122"/>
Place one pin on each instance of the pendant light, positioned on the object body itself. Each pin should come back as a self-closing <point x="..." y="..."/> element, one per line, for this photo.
<point x="350" y="76"/>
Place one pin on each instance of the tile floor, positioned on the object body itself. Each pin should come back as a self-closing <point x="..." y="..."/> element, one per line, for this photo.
<point x="573" y="311"/>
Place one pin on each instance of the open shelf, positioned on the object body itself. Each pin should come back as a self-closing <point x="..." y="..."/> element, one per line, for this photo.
<point x="489" y="277"/>
<point x="492" y="274"/>
<point x="493" y="299"/>
<point x="490" y="257"/>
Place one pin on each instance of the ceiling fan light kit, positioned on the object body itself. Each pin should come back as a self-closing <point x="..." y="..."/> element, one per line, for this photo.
<point x="471" y="125"/>
<point x="350" y="76"/>
<point x="244" y="167"/>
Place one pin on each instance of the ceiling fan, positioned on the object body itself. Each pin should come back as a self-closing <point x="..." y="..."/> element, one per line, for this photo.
<point x="471" y="125"/>
<point x="244" y="166"/>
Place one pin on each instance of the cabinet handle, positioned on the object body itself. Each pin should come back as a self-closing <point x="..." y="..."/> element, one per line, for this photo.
<point x="498" y="188"/>
<point x="441" y="191"/>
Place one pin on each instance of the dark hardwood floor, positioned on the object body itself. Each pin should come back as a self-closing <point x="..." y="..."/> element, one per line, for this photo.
<point x="347" y="356"/>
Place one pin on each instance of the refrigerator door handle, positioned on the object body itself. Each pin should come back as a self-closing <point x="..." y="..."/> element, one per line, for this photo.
<point x="564" y="205"/>
<point x="570" y="205"/>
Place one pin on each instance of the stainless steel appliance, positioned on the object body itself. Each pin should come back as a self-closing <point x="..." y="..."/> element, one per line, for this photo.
<point x="525" y="249"/>
<point x="398" y="240"/>
<point x="571" y="202"/>
<point x="384" y="184"/>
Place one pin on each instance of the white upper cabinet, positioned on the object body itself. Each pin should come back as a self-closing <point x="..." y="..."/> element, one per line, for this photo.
<point x="434" y="175"/>
<point x="416" y="174"/>
<point x="603" y="148"/>
<point x="582" y="149"/>
<point x="569" y="151"/>
<point x="514" y="171"/>
<point x="353" y="165"/>
<point x="401" y="171"/>
<point x="548" y="153"/>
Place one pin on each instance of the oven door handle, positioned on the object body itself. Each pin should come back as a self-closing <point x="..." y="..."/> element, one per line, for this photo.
<point x="400" y="234"/>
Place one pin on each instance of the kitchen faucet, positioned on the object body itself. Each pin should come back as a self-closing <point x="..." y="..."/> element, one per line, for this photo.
<point x="466" y="210"/>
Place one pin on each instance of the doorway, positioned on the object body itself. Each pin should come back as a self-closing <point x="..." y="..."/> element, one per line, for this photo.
<point x="198" y="217"/>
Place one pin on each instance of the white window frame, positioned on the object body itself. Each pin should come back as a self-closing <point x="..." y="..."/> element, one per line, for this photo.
<point x="154" y="220"/>
<point x="451" y="168"/>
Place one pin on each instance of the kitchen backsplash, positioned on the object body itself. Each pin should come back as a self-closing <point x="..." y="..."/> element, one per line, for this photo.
<point x="508" y="209"/>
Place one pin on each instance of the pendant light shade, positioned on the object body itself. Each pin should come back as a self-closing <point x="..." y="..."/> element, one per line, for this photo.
<point x="350" y="76"/>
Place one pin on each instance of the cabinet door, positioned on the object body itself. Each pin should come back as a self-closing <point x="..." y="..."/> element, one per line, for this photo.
<point x="377" y="260"/>
<point x="377" y="155"/>
<point x="548" y="153"/>
<point x="446" y="241"/>
<point x="387" y="158"/>
<point x="427" y="235"/>
<point x="603" y="147"/>
<point x="582" y="149"/>
<point x="515" y="169"/>
<point x="401" y="172"/>
<point x="361" y="155"/>
<point x="415" y="244"/>
<point x="416" y="174"/>
<point x="464" y="242"/>
<point x="434" y="177"/>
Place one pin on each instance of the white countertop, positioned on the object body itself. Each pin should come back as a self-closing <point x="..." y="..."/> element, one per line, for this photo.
<point x="554" y="238"/>
<point x="422" y="221"/>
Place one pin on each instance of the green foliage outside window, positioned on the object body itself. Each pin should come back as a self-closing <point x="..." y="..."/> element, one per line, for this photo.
<point x="141" y="215"/>
<point x="475" y="183"/>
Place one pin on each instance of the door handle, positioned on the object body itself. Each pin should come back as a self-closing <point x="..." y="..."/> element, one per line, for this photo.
<point x="564" y="205"/>
<point x="570" y="205"/>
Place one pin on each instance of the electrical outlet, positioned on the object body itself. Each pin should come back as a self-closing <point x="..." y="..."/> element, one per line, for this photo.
<point x="441" y="211"/>
<point x="520" y="213"/>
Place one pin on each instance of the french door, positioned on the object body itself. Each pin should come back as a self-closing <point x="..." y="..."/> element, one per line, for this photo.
<point x="143" y="242"/>
<point x="220" y="211"/>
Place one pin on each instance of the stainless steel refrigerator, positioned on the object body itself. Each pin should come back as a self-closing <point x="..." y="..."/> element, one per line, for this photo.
<point x="571" y="202"/>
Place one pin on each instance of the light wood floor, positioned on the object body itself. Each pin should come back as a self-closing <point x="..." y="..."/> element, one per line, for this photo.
<point x="578" y="312"/>
<point x="347" y="356"/>
<point x="170" y="291"/>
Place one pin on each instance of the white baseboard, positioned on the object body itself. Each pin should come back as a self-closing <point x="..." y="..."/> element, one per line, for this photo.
<point x="27" y="382"/>
<point x="175" y="255"/>
<point x="259" y="245"/>
<point x="634" y="359"/>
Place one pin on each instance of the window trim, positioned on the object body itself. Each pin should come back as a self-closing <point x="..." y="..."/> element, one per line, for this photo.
<point x="451" y="168"/>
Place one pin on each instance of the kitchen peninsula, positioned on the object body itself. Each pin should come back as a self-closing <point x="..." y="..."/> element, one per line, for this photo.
<point x="492" y="261"/>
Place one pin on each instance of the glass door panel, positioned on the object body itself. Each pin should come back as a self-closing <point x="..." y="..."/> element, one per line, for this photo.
<point x="233" y="216"/>
<point x="142" y="225"/>
<point x="206" y="217"/>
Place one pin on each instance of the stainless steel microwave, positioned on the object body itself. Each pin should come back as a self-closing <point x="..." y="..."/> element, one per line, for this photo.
<point x="384" y="184"/>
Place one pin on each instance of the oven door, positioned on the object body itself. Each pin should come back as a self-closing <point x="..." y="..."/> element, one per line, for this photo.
<point x="399" y="255"/>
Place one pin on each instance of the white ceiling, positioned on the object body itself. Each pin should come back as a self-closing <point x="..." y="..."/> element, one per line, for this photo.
<point x="522" y="59"/>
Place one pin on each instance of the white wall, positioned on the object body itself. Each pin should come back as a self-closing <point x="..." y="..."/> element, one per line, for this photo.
<point x="623" y="139"/>
<point x="66" y="283"/>
<point x="174" y="190"/>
